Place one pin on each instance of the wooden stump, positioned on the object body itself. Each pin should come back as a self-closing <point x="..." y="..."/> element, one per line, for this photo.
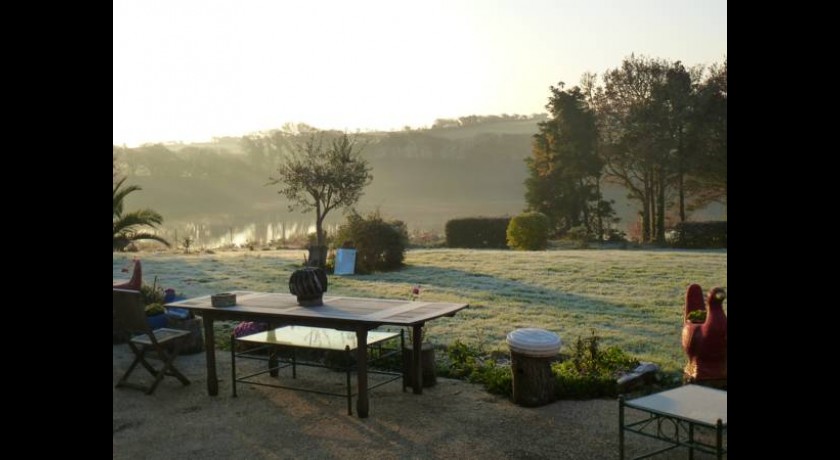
<point x="193" y="343"/>
<point x="533" y="382"/>
<point x="427" y="361"/>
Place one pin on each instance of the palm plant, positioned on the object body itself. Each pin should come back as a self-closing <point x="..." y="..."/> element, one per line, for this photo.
<point x="128" y="226"/>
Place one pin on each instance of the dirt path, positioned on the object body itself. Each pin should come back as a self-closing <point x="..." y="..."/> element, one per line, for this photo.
<point x="454" y="419"/>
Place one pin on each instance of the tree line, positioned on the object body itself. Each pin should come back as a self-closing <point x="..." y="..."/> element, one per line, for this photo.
<point x="651" y="125"/>
<point x="415" y="172"/>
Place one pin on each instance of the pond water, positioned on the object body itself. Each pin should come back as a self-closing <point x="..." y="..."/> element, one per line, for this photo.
<point x="225" y="229"/>
<point x="212" y="235"/>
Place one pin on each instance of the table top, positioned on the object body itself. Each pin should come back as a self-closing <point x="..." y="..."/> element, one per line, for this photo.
<point x="335" y="308"/>
<point x="315" y="337"/>
<point x="693" y="403"/>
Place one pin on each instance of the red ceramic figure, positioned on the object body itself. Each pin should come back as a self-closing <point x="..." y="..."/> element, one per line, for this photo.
<point x="136" y="280"/>
<point x="705" y="342"/>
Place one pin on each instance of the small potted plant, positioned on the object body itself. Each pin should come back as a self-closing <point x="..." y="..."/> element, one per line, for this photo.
<point x="697" y="316"/>
<point x="155" y="315"/>
<point x="153" y="298"/>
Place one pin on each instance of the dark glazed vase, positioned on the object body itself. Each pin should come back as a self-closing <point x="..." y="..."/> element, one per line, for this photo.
<point x="705" y="343"/>
<point x="309" y="285"/>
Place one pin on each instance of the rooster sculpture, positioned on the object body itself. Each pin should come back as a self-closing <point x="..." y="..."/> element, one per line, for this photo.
<point x="705" y="342"/>
<point x="136" y="280"/>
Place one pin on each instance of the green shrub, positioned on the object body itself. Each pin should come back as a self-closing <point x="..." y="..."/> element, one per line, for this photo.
<point x="528" y="231"/>
<point x="590" y="372"/>
<point x="580" y="235"/>
<point x="471" y="364"/>
<point x="477" y="232"/>
<point x="497" y="379"/>
<point x="380" y="245"/>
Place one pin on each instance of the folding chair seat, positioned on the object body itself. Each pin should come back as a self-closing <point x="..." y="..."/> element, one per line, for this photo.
<point x="162" y="344"/>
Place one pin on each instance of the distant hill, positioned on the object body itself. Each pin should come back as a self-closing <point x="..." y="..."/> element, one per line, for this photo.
<point x="423" y="177"/>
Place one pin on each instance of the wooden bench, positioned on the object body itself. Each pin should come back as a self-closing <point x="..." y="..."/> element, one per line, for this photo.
<point x="292" y="338"/>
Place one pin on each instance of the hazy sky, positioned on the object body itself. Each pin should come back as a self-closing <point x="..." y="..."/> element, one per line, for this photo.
<point x="188" y="70"/>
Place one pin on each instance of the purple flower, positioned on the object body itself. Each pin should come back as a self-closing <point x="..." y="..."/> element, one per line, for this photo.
<point x="249" y="327"/>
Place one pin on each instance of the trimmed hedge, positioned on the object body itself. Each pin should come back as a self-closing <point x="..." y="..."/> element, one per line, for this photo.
<point x="700" y="234"/>
<point x="477" y="232"/>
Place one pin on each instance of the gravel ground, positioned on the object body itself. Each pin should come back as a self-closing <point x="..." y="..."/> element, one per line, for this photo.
<point x="453" y="419"/>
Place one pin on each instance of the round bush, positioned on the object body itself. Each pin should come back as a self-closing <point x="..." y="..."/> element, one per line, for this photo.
<point x="528" y="231"/>
<point x="380" y="245"/>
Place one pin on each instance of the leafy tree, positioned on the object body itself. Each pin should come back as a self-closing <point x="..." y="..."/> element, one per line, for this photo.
<point x="323" y="177"/>
<point x="674" y="102"/>
<point x="266" y="150"/>
<point x="675" y="99"/>
<point x="116" y="171"/>
<point x="663" y="136"/>
<point x="158" y="159"/>
<point x="564" y="167"/>
<point x="128" y="226"/>
<point x="707" y="181"/>
<point x="637" y="150"/>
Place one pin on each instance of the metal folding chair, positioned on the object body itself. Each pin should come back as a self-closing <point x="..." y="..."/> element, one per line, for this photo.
<point x="164" y="343"/>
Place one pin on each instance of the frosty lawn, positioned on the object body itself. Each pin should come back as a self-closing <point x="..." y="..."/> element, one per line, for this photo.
<point x="632" y="298"/>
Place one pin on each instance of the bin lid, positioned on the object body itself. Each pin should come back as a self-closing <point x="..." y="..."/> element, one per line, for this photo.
<point x="534" y="342"/>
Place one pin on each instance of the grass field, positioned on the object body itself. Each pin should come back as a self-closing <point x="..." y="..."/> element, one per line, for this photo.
<point x="631" y="298"/>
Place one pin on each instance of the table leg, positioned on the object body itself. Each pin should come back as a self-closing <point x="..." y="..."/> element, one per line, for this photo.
<point x="719" y="440"/>
<point x="690" y="440"/>
<point x="210" y="353"/>
<point x="417" y="349"/>
<point x="621" y="427"/>
<point x="272" y="354"/>
<point x="362" y="404"/>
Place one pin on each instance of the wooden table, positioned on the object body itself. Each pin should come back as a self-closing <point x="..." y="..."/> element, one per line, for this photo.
<point x="343" y="313"/>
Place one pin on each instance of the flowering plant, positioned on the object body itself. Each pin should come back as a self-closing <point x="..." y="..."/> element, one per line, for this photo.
<point x="415" y="293"/>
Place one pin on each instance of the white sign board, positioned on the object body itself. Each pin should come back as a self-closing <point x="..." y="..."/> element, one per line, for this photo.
<point x="345" y="262"/>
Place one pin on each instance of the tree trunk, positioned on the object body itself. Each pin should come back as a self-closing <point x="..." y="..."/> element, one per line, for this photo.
<point x="647" y="210"/>
<point x="681" y="175"/>
<point x="318" y="252"/>
<point x="599" y="222"/>
<point x="319" y="226"/>
<point x="681" y="185"/>
<point x="585" y="209"/>
<point x="660" y="209"/>
<point x="317" y="256"/>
